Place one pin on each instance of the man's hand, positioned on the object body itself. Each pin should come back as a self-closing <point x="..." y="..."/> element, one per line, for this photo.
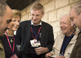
<point x="48" y="55"/>
<point x="41" y="50"/>
<point x="14" y="56"/>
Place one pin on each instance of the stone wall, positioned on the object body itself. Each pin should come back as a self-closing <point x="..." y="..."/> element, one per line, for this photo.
<point x="54" y="9"/>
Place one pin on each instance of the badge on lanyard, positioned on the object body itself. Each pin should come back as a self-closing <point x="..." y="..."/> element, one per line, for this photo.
<point x="12" y="48"/>
<point x="35" y="43"/>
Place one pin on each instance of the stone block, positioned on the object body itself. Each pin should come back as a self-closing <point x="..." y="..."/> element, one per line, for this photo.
<point x="28" y="8"/>
<point x="45" y="17"/>
<point x="49" y="6"/>
<point x="56" y="26"/>
<point x="72" y="1"/>
<point x="25" y="17"/>
<point x="29" y="16"/>
<point x="55" y="35"/>
<point x="62" y="11"/>
<point x="23" y="12"/>
<point x="60" y="3"/>
<point x="43" y="1"/>
<point x="21" y="18"/>
<point x="52" y="16"/>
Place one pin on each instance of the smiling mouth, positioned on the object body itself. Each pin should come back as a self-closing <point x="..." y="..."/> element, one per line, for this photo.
<point x="35" y="20"/>
<point x="63" y="28"/>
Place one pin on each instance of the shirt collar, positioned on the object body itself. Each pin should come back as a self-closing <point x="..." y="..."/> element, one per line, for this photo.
<point x="36" y="25"/>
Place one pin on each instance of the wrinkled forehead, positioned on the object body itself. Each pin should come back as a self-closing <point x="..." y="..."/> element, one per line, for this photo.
<point x="72" y="11"/>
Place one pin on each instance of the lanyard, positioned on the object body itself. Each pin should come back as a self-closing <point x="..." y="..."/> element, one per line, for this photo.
<point x="35" y="33"/>
<point x="10" y="43"/>
<point x="64" y="45"/>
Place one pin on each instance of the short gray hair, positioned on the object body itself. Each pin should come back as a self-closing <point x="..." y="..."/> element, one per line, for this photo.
<point x="2" y="8"/>
<point x="77" y="7"/>
<point x="65" y="15"/>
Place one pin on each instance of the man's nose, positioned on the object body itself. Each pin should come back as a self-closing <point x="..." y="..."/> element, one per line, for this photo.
<point x="34" y="17"/>
<point x="61" y="25"/>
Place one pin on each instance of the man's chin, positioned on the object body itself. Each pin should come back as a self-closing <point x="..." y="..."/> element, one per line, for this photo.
<point x="35" y="23"/>
<point x="64" y="32"/>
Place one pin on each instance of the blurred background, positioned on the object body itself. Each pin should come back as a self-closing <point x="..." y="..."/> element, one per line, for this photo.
<point x="54" y="9"/>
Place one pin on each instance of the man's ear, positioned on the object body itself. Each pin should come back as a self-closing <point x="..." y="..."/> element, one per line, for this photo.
<point x="80" y="12"/>
<point x="0" y="18"/>
<point x="42" y="14"/>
